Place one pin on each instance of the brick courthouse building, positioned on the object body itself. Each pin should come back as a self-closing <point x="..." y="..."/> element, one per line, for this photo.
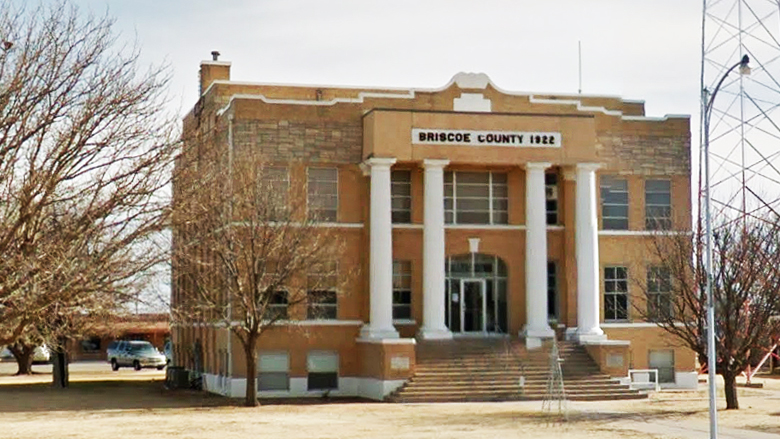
<point x="471" y="212"/>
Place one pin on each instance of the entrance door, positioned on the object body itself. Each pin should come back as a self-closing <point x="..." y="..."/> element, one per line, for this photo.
<point x="472" y="307"/>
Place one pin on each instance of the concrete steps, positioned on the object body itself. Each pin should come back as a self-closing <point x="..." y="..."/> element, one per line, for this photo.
<point x="472" y="370"/>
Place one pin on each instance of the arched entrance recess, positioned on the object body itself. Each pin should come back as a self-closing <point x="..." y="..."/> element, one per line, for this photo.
<point x="476" y="294"/>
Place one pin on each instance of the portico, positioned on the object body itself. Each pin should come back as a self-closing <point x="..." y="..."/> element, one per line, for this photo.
<point x="474" y="303"/>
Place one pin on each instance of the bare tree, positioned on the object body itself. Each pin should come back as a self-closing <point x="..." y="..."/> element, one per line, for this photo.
<point x="86" y="150"/>
<point x="745" y="288"/>
<point x="247" y="254"/>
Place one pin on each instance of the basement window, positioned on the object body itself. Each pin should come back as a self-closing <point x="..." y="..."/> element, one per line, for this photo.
<point x="323" y="368"/>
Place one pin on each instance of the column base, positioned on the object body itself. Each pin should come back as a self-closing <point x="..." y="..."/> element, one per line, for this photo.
<point x="434" y="334"/>
<point x="535" y="337"/>
<point x="584" y="337"/>
<point x="369" y="332"/>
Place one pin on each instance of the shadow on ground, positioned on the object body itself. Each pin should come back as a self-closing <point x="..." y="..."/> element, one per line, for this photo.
<point x="574" y="417"/>
<point x="102" y="395"/>
<point x="124" y="395"/>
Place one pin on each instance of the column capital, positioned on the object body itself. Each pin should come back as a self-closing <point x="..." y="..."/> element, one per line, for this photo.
<point x="588" y="166"/>
<point x="367" y="164"/>
<point x="537" y="165"/>
<point x="435" y="163"/>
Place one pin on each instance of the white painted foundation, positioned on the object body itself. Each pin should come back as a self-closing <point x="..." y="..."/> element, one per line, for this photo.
<point x="370" y="388"/>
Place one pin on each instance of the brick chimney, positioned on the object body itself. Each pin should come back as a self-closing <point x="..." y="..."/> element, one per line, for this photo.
<point x="213" y="70"/>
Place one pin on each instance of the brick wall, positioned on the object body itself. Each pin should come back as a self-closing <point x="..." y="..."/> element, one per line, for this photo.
<point x="286" y="140"/>
<point x="647" y="154"/>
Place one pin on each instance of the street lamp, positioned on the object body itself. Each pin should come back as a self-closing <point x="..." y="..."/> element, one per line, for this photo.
<point x="707" y="99"/>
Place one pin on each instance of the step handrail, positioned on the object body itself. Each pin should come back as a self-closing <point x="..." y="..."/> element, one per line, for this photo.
<point x="632" y="383"/>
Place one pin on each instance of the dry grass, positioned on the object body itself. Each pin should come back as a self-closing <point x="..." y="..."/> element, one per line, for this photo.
<point x="134" y="404"/>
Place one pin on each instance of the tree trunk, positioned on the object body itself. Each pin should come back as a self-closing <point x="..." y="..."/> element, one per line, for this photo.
<point x="251" y="372"/>
<point x="730" y="386"/>
<point x="23" y="355"/>
<point x="60" y="379"/>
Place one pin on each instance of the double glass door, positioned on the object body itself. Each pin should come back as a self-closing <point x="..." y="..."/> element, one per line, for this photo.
<point x="467" y="305"/>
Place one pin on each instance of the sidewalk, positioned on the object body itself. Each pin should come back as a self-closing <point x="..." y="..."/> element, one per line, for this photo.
<point x="689" y="429"/>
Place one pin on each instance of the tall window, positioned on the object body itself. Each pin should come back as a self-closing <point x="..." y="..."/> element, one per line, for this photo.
<point x="401" y="190"/>
<point x="658" y="205"/>
<point x="323" y="368"/>
<point x="321" y="290"/>
<point x="475" y="198"/>
<point x="277" y="306"/>
<point x="276" y="181"/>
<point x="402" y="290"/>
<point x="552" y="290"/>
<point x="322" y="186"/>
<point x="615" y="293"/>
<point x="273" y="371"/>
<point x="614" y="203"/>
<point x="659" y="286"/>
<point x="551" y="195"/>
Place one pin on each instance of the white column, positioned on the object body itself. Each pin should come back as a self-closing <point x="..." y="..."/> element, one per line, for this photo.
<point x="537" y="326"/>
<point x="433" y="326"/>
<point x="587" y="250"/>
<point x="381" y="253"/>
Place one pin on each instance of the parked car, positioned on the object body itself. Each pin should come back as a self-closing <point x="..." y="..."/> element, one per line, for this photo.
<point x="113" y="348"/>
<point x="41" y="354"/>
<point x="168" y="352"/>
<point x="135" y="354"/>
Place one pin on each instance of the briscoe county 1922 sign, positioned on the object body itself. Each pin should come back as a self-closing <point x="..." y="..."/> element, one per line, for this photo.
<point x="486" y="138"/>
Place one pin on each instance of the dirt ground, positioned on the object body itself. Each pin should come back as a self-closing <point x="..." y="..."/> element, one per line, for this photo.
<point x="101" y="403"/>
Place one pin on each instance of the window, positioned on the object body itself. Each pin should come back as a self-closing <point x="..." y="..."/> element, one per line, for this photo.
<point x="401" y="190"/>
<point x="614" y="203"/>
<point x="551" y="196"/>
<point x="323" y="193"/>
<point x="322" y="305"/>
<point x="323" y="368"/>
<point x="659" y="286"/>
<point x="90" y="344"/>
<point x="277" y="306"/>
<point x="615" y="293"/>
<point x="321" y="288"/>
<point x="552" y="290"/>
<point x="475" y="198"/>
<point x="663" y="360"/>
<point x="273" y="371"/>
<point x="402" y="290"/>
<point x="276" y="182"/>
<point x="658" y="205"/>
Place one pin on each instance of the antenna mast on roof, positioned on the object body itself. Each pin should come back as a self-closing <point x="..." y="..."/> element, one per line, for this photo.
<point x="579" y="55"/>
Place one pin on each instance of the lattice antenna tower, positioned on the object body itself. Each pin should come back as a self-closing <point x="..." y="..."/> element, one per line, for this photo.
<point x="744" y="121"/>
<point x="555" y="396"/>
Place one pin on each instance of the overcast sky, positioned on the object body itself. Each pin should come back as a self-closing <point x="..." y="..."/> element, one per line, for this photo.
<point x="636" y="49"/>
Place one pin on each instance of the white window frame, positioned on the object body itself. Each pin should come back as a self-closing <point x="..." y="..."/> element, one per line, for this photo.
<point x="395" y="196"/>
<point x="604" y="218"/>
<point x="269" y="175"/>
<point x="310" y="362"/>
<point x="616" y="280"/>
<point x="309" y="194"/>
<point x="274" y="371"/>
<point x="657" y="222"/>
<point x="490" y="198"/>
<point x="398" y="273"/>
<point x="655" y="292"/>
<point x="321" y="287"/>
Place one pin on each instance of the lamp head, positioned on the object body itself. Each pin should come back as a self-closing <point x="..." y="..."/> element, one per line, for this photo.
<point x="744" y="68"/>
